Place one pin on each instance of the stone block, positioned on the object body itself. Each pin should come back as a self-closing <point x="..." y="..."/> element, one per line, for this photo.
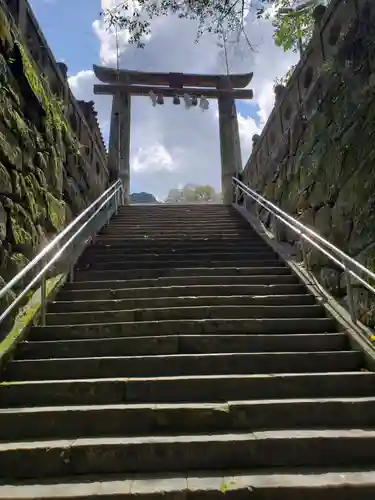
<point x="3" y="222"/>
<point x="5" y="181"/>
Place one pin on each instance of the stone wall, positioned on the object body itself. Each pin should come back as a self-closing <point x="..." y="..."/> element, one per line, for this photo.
<point x="52" y="155"/>
<point x="316" y="154"/>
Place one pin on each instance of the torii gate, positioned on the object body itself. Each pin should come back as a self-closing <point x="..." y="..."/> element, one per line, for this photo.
<point x="121" y="84"/>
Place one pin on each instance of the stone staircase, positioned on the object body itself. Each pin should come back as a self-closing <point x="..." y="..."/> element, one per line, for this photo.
<point x="186" y="361"/>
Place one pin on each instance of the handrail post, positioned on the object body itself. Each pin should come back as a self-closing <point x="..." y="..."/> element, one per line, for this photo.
<point x="71" y="273"/>
<point x="108" y="203"/>
<point x="349" y="293"/>
<point x="306" y="260"/>
<point x="116" y="200"/>
<point x="122" y="195"/>
<point x="43" y="291"/>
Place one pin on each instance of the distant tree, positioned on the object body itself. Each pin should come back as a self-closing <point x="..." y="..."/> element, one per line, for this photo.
<point x="174" y="196"/>
<point x="192" y="193"/>
<point x="143" y="198"/>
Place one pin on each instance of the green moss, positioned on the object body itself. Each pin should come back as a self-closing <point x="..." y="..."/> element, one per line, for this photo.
<point x="41" y="161"/>
<point x="52" y="105"/>
<point x="16" y="262"/>
<point x="10" y="151"/>
<point x="5" y="181"/>
<point x="17" y="190"/>
<point x="25" y="315"/>
<point x="225" y="486"/>
<point x="36" y="189"/>
<point x="13" y="121"/>
<point x="56" y="211"/>
<point x="6" y="38"/>
<point x="24" y="234"/>
<point x="41" y="178"/>
<point x="22" y="129"/>
<point x="55" y="172"/>
<point x="40" y="142"/>
<point x="32" y="197"/>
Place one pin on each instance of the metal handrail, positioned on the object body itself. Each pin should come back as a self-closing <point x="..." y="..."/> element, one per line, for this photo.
<point x="340" y="258"/>
<point x="111" y="198"/>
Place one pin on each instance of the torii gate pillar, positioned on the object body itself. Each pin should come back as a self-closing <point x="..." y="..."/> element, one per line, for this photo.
<point x="119" y="142"/>
<point x="230" y="146"/>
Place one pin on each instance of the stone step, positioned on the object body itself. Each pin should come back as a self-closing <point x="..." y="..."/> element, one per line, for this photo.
<point x="181" y="344"/>
<point x="178" y="291"/>
<point x="280" y="276"/>
<point x="192" y="215"/>
<point x="115" y="255"/>
<point x="182" y="248"/>
<point x="118" y="256"/>
<point x="194" y="274"/>
<point x="212" y="223"/>
<point x="169" y="218"/>
<point x="138" y="250"/>
<point x="184" y="327"/>
<point x="294" y="484"/>
<point x="209" y="227"/>
<point x="197" y="236"/>
<point x="258" y="450"/>
<point x="178" y="210"/>
<point x="174" y="266"/>
<point x="173" y="234"/>
<point x="181" y="209"/>
<point x="182" y="365"/>
<point x="177" y="227"/>
<point x="172" y="225"/>
<point x="193" y="389"/>
<point x="186" y="312"/>
<point x="234" y="239"/>
<point x="178" y="217"/>
<point x="203" y="260"/>
<point x="61" y="306"/>
<point x="70" y="422"/>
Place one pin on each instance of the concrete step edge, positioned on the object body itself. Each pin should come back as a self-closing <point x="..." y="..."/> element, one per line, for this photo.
<point x="181" y="344"/>
<point x="278" y="435"/>
<point x="220" y="355"/>
<point x="200" y="307"/>
<point x="228" y="337"/>
<point x="254" y="279"/>
<point x="205" y="321"/>
<point x="240" y="268"/>
<point x="258" y="299"/>
<point x="322" y="483"/>
<point x="188" y="378"/>
<point x="175" y="267"/>
<point x="193" y="288"/>
<point x="220" y="406"/>
<point x="208" y="259"/>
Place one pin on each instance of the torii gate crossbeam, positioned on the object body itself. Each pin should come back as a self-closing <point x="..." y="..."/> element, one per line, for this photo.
<point x="121" y="84"/>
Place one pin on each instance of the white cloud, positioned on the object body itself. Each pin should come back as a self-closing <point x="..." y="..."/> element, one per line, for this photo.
<point x="171" y="146"/>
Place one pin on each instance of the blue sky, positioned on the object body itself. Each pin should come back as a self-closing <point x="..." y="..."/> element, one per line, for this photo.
<point x="67" y="26"/>
<point x="169" y="147"/>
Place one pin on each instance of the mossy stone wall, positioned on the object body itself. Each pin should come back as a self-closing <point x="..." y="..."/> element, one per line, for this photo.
<point x="325" y="176"/>
<point x="44" y="179"/>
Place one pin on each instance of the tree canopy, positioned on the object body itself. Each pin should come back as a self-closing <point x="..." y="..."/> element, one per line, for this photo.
<point x="192" y="193"/>
<point x="225" y="18"/>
